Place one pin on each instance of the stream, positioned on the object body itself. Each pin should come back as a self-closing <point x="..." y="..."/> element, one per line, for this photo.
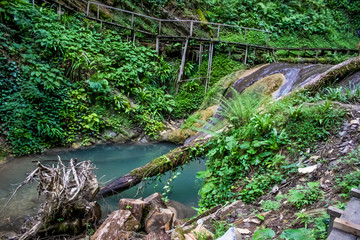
<point x="112" y="161"/>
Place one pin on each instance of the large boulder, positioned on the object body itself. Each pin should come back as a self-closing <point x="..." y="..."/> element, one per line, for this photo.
<point x="158" y="220"/>
<point x="118" y="222"/>
<point x="135" y="206"/>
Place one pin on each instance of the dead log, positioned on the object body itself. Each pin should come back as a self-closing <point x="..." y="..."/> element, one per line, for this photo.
<point x="177" y="157"/>
<point x="332" y="75"/>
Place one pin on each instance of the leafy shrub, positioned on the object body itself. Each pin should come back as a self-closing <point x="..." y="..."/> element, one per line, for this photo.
<point x="304" y="195"/>
<point x="188" y="99"/>
<point x="270" y="205"/>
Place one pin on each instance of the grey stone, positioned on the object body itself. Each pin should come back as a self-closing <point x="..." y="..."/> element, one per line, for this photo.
<point x="231" y="234"/>
<point x="343" y="133"/>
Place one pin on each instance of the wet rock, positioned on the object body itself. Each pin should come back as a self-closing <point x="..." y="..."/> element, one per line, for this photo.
<point x="199" y="230"/>
<point x="346" y="149"/>
<point x="161" y="235"/>
<point x="343" y="133"/>
<point x="275" y="189"/>
<point x="180" y="210"/>
<point x="135" y="206"/>
<point x="159" y="219"/>
<point x="155" y="201"/>
<point x="253" y="220"/>
<point x="308" y="169"/>
<point x="243" y="231"/>
<point x="355" y="122"/>
<point x="315" y="158"/>
<point x="120" y="220"/>
<point x="232" y="234"/>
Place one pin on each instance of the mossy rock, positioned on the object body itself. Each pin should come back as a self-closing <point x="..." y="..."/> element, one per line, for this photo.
<point x="267" y="85"/>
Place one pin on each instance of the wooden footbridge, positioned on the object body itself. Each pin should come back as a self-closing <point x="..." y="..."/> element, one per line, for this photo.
<point x="197" y="36"/>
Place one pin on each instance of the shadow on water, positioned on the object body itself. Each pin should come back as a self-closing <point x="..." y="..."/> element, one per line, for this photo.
<point x="112" y="161"/>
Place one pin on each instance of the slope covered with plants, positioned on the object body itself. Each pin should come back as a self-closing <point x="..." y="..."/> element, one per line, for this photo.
<point x="63" y="81"/>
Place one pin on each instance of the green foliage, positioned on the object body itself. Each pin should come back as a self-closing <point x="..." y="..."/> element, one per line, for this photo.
<point x="250" y="146"/>
<point x="309" y="124"/>
<point x="245" y="162"/>
<point x="269" y="205"/>
<point x="303" y="196"/>
<point x="288" y="234"/>
<point x="293" y="23"/>
<point x="263" y="234"/>
<point x="60" y="79"/>
<point x="188" y="99"/>
<point x="297" y="234"/>
<point x="348" y="181"/>
<point x="220" y="228"/>
<point x="240" y="108"/>
<point x="221" y="66"/>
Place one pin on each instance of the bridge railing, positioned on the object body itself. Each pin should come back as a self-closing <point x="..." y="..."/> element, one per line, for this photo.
<point x="185" y="28"/>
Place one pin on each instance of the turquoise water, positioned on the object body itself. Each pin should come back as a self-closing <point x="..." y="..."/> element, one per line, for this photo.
<point x="111" y="161"/>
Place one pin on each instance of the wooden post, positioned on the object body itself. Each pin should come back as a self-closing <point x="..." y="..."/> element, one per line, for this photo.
<point x="98" y="12"/>
<point x="211" y="52"/>
<point x="218" y="33"/>
<point x="334" y="213"/>
<point x="246" y="54"/>
<point x="355" y="193"/>
<point x="88" y="8"/>
<point x="101" y="23"/>
<point x="59" y="11"/>
<point x="183" y="59"/>
<point x="33" y="2"/>
<point x="200" y="54"/>
<point x="274" y="54"/>
<point x="267" y="39"/>
<point x="159" y="28"/>
<point x="157" y="45"/>
<point x="134" y="37"/>
<point x="316" y="55"/>
<point x="132" y="21"/>
<point x="245" y="36"/>
<point x="191" y="28"/>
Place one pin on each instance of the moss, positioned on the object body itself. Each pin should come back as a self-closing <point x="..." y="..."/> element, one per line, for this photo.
<point x="268" y="85"/>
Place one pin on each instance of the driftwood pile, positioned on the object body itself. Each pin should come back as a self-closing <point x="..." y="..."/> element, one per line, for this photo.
<point x="69" y="205"/>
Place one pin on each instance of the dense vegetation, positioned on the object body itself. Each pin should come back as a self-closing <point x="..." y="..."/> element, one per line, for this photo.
<point x="62" y="81"/>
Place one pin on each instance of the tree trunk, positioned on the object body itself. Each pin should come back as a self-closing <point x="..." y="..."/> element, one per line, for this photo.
<point x="334" y="74"/>
<point x="177" y="157"/>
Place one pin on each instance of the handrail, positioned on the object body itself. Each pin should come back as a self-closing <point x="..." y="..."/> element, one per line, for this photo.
<point x="191" y="22"/>
<point x="171" y="20"/>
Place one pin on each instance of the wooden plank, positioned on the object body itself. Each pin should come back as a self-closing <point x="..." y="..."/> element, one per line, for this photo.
<point x="347" y="226"/>
<point x="351" y="214"/>
<point x="333" y="211"/>
<point x="355" y="193"/>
